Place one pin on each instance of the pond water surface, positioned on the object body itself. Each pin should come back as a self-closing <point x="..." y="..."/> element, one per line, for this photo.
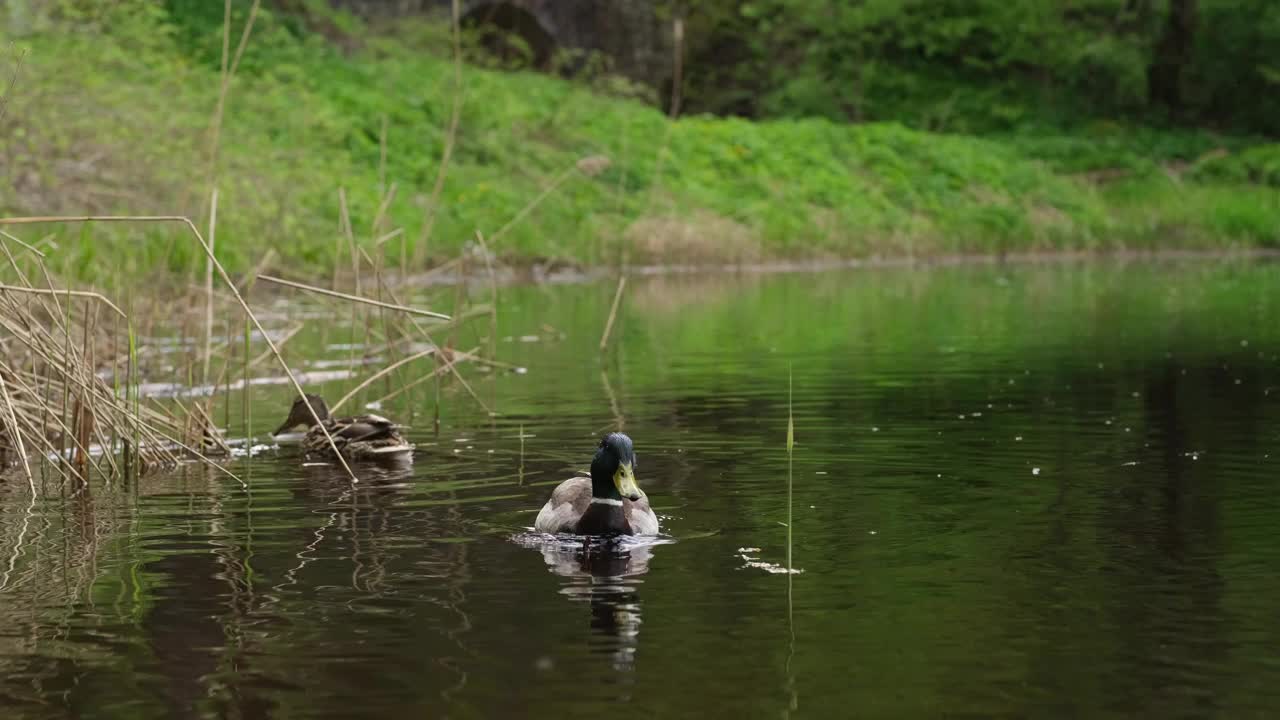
<point x="1018" y="491"/>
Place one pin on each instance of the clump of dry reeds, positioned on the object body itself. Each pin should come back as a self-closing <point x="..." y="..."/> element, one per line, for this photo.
<point x="68" y="379"/>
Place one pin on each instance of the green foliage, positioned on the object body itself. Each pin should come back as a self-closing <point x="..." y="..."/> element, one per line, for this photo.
<point x="984" y="65"/>
<point x="1259" y="164"/>
<point x="122" y="124"/>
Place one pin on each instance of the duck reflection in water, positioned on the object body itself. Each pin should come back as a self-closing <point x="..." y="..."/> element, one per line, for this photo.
<point x="604" y="573"/>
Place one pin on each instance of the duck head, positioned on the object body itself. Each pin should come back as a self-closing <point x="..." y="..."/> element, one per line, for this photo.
<point x="300" y="415"/>
<point x="613" y="469"/>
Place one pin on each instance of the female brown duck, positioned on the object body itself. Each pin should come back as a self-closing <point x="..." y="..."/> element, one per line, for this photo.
<point x="363" y="437"/>
<point x="607" y="503"/>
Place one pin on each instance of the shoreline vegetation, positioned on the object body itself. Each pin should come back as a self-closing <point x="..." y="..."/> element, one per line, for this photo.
<point x="398" y="147"/>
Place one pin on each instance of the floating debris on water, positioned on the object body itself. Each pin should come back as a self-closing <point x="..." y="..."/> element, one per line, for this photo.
<point x="251" y="451"/>
<point x="757" y="563"/>
<point x="1035" y="471"/>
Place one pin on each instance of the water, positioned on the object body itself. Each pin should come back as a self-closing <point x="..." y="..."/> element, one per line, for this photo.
<point x="1017" y="492"/>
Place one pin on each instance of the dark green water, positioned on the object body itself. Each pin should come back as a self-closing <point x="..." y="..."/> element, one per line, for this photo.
<point x="1017" y="492"/>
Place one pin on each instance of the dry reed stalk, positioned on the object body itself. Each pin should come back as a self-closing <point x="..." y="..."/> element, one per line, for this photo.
<point x="521" y="470"/>
<point x="618" y="420"/>
<point x="443" y="356"/>
<point x="355" y="298"/>
<point x="230" y="285"/>
<point x="493" y="296"/>
<point x="17" y="434"/>
<point x="429" y="376"/>
<point x="13" y="82"/>
<point x="349" y="234"/>
<point x="86" y="393"/>
<point x="208" y="279"/>
<point x="451" y="137"/>
<point x="245" y="412"/>
<point x="392" y="335"/>
<point x="380" y="374"/>
<point x="265" y="261"/>
<point x="73" y="293"/>
<point x="613" y="312"/>
<point x="382" y="157"/>
<point x="660" y="159"/>
<point x="288" y="335"/>
<point x="388" y="237"/>
<point x="356" y="315"/>
<point x="222" y="377"/>
<point x="227" y="73"/>
<point x="536" y="201"/>
<point x="29" y="248"/>
<point x="381" y="215"/>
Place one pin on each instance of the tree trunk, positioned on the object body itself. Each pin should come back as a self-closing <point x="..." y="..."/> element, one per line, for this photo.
<point x="1172" y="55"/>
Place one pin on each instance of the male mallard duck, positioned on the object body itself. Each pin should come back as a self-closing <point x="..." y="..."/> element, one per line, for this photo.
<point x="607" y="503"/>
<point x="364" y="437"/>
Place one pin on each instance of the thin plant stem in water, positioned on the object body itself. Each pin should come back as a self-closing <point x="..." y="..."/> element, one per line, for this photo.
<point x="613" y="312"/>
<point x="17" y="434"/>
<point x="791" y="628"/>
<point x="71" y="293"/>
<point x="208" y="280"/>
<point x="791" y="443"/>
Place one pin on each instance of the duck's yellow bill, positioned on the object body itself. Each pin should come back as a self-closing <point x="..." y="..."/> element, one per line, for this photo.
<point x="625" y="480"/>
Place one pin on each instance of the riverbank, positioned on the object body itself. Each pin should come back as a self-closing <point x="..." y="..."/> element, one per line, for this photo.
<point x="320" y="150"/>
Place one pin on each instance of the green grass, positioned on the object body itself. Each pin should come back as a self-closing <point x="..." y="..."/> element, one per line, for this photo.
<point x="1259" y="164"/>
<point x="117" y="121"/>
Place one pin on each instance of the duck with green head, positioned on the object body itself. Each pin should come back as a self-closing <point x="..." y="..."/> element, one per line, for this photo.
<point x="609" y="502"/>
<point x="363" y="437"/>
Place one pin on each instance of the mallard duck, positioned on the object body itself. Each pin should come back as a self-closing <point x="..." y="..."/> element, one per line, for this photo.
<point x="364" y="437"/>
<point x="607" y="503"/>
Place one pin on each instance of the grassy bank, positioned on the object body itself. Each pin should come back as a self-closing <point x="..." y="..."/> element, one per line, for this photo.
<point x="119" y="121"/>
